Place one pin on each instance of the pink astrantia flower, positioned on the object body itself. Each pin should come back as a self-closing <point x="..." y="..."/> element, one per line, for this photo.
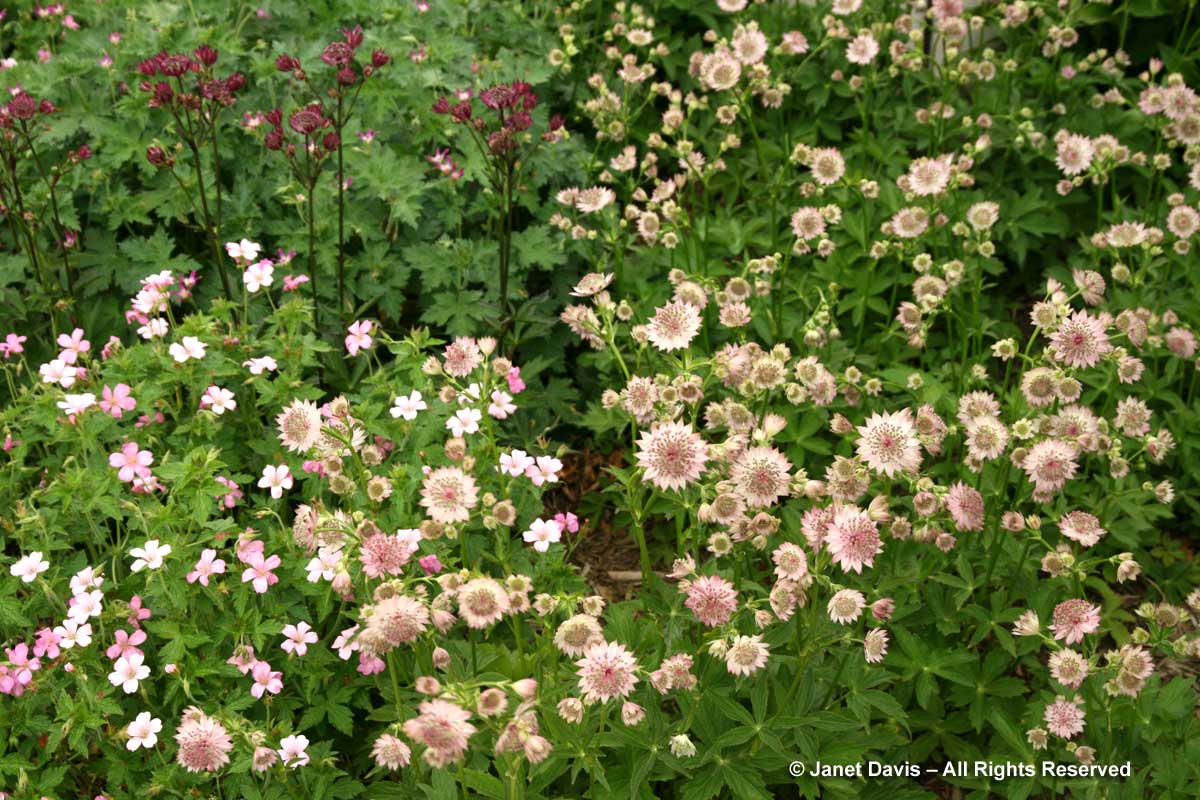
<point x="443" y="728"/>
<point x="258" y="572"/>
<point x="673" y="326"/>
<point x="515" y="384"/>
<point x="1073" y="619"/>
<point x="606" y="671"/>
<point x="888" y="443"/>
<point x="965" y="505"/>
<point x="672" y="455"/>
<point x="712" y="599"/>
<point x="359" y="337"/>
<point x="746" y="655"/>
<point x="853" y="539"/>
<point x="1064" y="718"/>
<point x="117" y="400"/>
<point x="1080" y="340"/>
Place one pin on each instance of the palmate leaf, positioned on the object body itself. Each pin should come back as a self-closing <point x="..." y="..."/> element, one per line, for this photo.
<point x="460" y="313"/>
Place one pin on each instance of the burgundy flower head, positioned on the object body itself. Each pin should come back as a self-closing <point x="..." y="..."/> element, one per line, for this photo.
<point x="307" y="121"/>
<point x="151" y="65"/>
<point x="337" y="54"/>
<point x="174" y="65"/>
<point x="22" y="106"/>
<point x="206" y="55"/>
<point x="286" y="63"/>
<point x="354" y="36"/>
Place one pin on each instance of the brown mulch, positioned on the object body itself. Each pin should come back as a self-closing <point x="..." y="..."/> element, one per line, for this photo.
<point x="604" y="554"/>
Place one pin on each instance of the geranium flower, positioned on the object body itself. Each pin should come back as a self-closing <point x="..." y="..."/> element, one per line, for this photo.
<point x="73" y="632"/>
<point x="189" y="347"/>
<point x="359" y="337"/>
<point x="131" y="462"/>
<point x="407" y="407"/>
<point x="143" y="731"/>
<point x="298" y="637"/>
<point x="464" y="422"/>
<point x="292" y="751"/>
<point x="29" y="567"/>
<point x="128" y="672"/>
<point x="258" y="572"/>
<point x="258" y="366"/>
<point x="218" y="400"/>
<point x="58" y="371"/>
<point x="259" y="275"/>
<point x="206" y="567"/>
<point x="543" y="533"/>
<point x="265" y="680"/>
<point x="73" y="345"/>
<point x="13" y="345"/>
<point x="149" y="556"/>
<point x="117" y="400"/>
<point x="244" y="251"/>
<point x="516" y="462"/>
<point x="277" y="479"/>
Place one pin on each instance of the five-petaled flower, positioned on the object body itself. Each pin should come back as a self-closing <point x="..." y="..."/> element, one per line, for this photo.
<point x="128" y="671"/>
<point x="276" y="478"/>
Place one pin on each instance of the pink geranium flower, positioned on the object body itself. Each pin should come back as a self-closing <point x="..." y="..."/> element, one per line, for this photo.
<point x="206" y="567"/>
<point x="73" y="345"/>
<point x="265" y="681"/>
<point x="258" y="572"/>
<point x="12" y="345"/>
<point x="359" y="337"/>
<point x="126" y="644"/>
<point x="298" y="637"/>
<point x="117" y="400"/>
<point x="131" y="462"/>
<point x="293" y="282"/>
